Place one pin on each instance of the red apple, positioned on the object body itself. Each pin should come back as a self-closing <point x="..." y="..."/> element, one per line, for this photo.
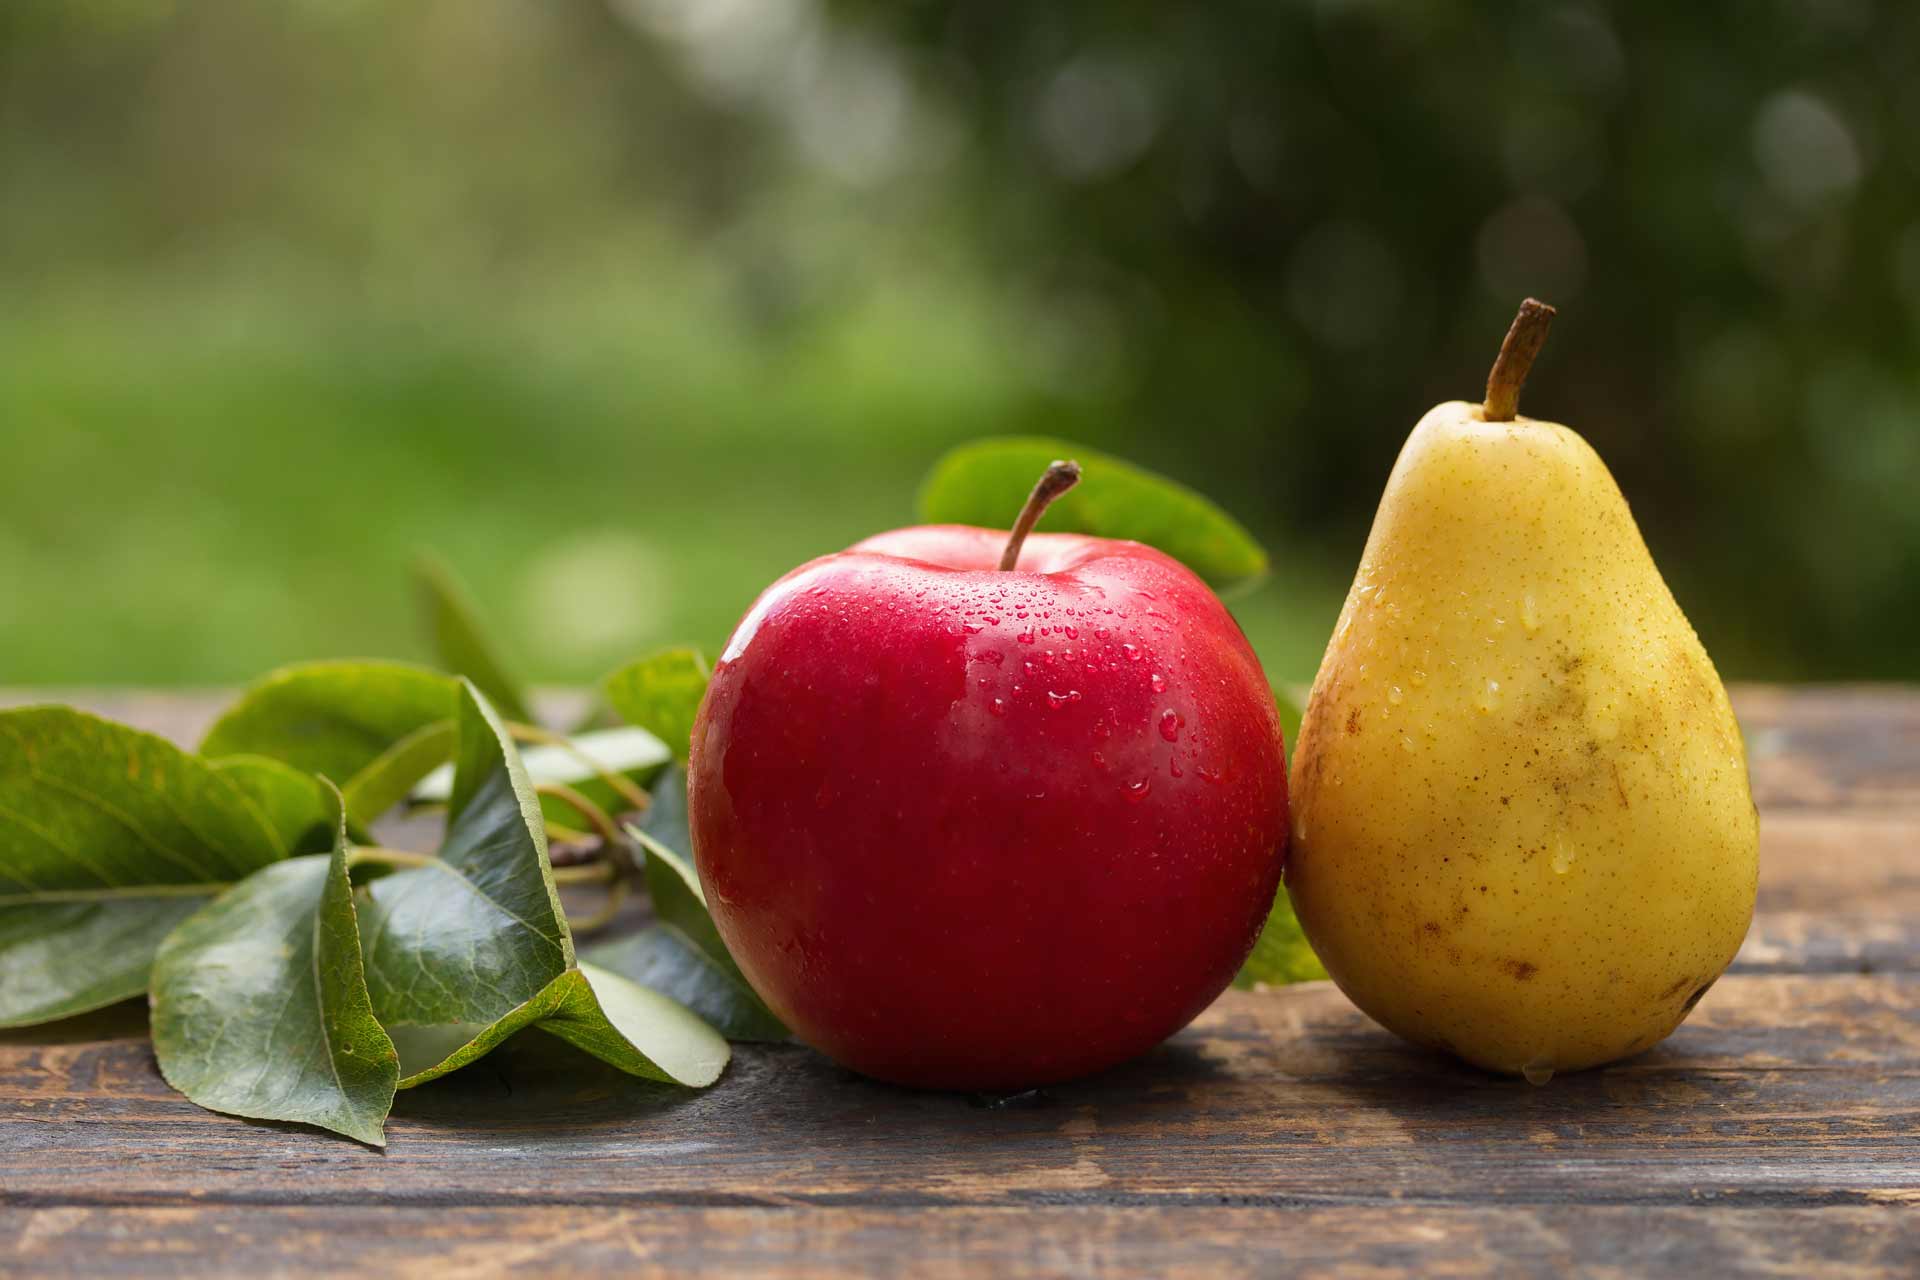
<point x="973" y="828"/>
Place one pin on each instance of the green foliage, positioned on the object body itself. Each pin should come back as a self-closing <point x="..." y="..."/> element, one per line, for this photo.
<point x="298" y="806"/>
<point x="985" y="483"/>
<point x="1280" y="954"/>
<point x="459" y="641"/>
<point x="490" y="899"/>
<point x="1291" y="701"/>
<point x="386" y="780"/>
<point x="684" y="955"/>
<point x="332" y="718"/>
<point x="591" y="763"/>
<point x="1247" y="245"/>
<point x="637" y="1029"/>
<point x="661" y="693"/>
<point x="108" y="838"/>
<point x="128" y="865"/>
<point x="660" y="958"/>
<point x="260" y="1003"/>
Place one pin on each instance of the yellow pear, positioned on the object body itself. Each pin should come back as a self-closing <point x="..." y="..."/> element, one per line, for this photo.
<point x="1523" y="831"/>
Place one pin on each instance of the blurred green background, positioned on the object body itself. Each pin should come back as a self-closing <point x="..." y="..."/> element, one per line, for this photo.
<point x="627" y="306"/>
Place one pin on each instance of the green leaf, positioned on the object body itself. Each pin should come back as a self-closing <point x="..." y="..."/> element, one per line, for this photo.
<point x="1290" y="700"/>
<point x="629" y="752"/>
<point x="108" y="838"/>
<point x="986" y="483"/>
<point x="332" y="718"/>
<point x="661" y="693"/>
<point x="641" y="1031"/>
<point x="464" y="952"/>
<point x="458" y="640"/>
<point x="387" y="779"/>
<point x="299" y="806"/>
<point x="721" y="993"/>
<point x="260" y="1003"/>
<point x="672" y="882"/>
<point x="662" y="958"/>
<point x="1281" y="954"/>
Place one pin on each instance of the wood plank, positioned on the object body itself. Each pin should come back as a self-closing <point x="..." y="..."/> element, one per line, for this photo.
<point x="1832" y="747"/>
<point x="1015" y="1244"/>
<point x="1826" y="942"/>
<point x="1782" y="1090"/>
<point x="1861" y="862"/>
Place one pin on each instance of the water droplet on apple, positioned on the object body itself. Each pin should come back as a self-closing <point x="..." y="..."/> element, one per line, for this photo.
<point x="1394" y="695"/>
<point x="1170" y="722"/>
<point x="1159" y="682"/>
<point x="1138" y="791"/>
<point x="1539" y="1070"/>
<point x="1100" y="761"/>
<point x="1025" y="637"/>
<point x="1059" y="700"/>
<point x="1132" y="651"/>
<point x="1173" y="767"/>
<point x="997" y="707"/>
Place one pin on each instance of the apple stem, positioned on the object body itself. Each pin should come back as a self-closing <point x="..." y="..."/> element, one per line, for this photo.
<point x="1056" y="480"/>
<point x="1516" y="357"/>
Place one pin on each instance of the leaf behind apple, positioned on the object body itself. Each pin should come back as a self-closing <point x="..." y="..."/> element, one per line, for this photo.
<point x="986" y="482"/>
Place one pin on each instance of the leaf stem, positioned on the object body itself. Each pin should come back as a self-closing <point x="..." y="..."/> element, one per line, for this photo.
<point x="560" y="832"/>
<point x="616" y="897"/>
<point x="362" y="854"/>
<point x="584" y="806"/>
<point x="623" y="787"/>
<point x="1054" y="481"/>
<point x="587" y="873"/>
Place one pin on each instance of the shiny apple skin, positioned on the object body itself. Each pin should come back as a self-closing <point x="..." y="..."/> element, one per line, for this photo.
<point x="966" y="829"/>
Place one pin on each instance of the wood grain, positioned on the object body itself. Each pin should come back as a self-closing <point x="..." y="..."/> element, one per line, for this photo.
<point x="1015" y="1244"/>
<point x="1777" y="1131"/>
<point x="1801" y="1090"/>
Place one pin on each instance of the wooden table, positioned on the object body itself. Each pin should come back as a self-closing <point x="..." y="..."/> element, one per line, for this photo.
<point x="1777" y="1131"/>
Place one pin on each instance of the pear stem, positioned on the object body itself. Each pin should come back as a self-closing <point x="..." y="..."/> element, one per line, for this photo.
<point x="1510" y="368"/>
<point x="1056" y="480"/>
